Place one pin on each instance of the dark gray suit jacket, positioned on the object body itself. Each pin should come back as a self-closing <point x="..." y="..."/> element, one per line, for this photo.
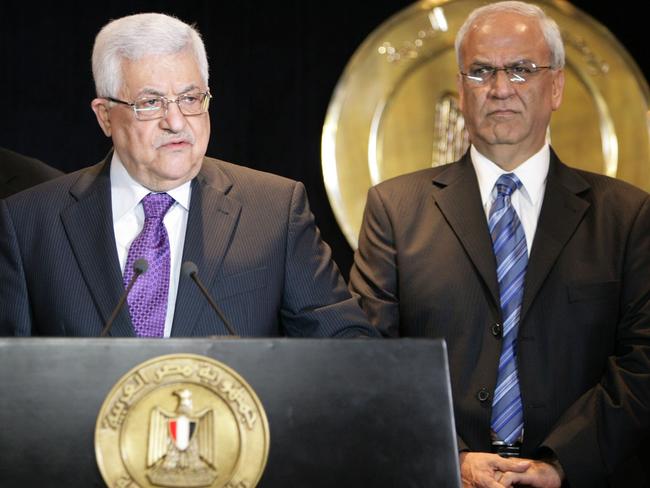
<point x="251" y="234"/>
<point x="18" y="172"/>
<point x="425" y="267"/>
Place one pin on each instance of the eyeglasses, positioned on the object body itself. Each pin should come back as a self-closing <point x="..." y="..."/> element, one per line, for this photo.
<point x="155" y="107"/>
<point x="517" y="73"/>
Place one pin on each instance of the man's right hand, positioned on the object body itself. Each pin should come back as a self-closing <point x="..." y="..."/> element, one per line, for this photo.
<point x="484" y="470"/>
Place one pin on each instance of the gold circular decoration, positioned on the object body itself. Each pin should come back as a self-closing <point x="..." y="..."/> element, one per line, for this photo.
<point x="181" y="421"/>
<point x="395" y="110"/>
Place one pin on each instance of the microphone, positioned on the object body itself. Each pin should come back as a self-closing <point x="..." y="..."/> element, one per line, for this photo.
<point x="139" y="267"/>
<point x="189" y="269"/>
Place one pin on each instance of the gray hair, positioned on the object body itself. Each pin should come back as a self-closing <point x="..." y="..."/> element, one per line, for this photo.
<point x="137" y="36"/>
<point x="548" y="26"/>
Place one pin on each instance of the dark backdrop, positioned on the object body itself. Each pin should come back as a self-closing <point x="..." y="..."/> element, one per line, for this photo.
<point x="273" y="68"/>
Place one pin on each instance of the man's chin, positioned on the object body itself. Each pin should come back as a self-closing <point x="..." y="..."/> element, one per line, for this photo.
<point x="503" y="135"/>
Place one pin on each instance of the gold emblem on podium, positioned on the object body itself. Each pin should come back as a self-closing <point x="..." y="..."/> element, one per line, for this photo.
<point x="182" y="421"/>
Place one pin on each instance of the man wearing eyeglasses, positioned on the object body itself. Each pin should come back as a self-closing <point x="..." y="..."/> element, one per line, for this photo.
<point x="157" y="205"/>
<point x="536" y="274"/>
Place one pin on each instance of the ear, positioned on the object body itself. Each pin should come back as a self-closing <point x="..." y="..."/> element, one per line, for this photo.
<point x="557" y="89"/>
<point x="103" y="115"/>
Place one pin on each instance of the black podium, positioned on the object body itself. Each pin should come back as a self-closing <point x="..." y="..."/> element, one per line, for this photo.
<point x="342" y="413"/>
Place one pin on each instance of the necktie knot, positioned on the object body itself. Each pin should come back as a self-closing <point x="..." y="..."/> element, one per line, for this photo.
<point x="507" y="184"/>
<point x="156" y="205"/>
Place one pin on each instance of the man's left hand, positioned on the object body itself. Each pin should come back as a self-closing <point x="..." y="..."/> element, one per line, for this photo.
<point x="540" y="474"/>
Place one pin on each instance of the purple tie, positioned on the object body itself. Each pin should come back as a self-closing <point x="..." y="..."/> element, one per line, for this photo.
<point x="148" y="297"/>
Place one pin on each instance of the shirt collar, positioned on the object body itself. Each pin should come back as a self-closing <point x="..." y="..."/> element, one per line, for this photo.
<point x="531" y="172"/>
<point x="127" y="192"/>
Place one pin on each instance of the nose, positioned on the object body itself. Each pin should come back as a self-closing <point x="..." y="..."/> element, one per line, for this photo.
<point x="174" y="120"/>
<point x="501" y="86"/>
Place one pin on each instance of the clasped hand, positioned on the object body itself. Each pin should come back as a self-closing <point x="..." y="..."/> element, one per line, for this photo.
<point x="485" y="470"/>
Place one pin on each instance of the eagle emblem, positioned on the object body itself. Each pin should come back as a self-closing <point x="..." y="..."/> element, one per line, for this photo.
<point x="182" y="421"/>
<point x="181" y="450"/>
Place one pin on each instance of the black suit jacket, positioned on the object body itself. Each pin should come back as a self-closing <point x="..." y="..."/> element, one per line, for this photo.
<point x="251" y="234"/>
<point x="425" y="267"/>
<point x="18" y="172"/>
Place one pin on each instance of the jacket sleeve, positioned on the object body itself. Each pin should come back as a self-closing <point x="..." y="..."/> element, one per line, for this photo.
<point x="374" y="274"/>
<point x="605" y="425"/>
<point x="15" y="317"/>
<point x="316" y="301"/>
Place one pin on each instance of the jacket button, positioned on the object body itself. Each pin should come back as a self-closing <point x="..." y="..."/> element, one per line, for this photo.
<point x="483" y="394"/>
<point x="496" y="329"/>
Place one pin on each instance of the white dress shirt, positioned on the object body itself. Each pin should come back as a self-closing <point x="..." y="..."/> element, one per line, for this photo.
<point x="128" y="221"/>
<point x="527" y="201"/>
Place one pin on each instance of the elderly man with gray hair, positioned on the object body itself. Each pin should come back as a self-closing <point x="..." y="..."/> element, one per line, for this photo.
<point x="156" y="206"/>
<point x="535" y="273"/>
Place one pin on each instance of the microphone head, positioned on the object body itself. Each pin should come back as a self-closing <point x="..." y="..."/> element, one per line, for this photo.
<point x="188" y="268"/>
<point x="140" y="266"/>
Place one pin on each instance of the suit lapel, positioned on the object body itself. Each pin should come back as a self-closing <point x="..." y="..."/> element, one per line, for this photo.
<point x="88" y="224"/>
<point x="457" y="195"/>
<point x="562" y="211"/>
<point x="211" y="222"/>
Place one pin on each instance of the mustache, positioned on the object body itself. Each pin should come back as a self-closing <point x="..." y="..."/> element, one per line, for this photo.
<point x="175" y="138"/>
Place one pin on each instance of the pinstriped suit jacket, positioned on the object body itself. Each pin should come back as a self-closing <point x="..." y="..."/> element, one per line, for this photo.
<point x="425" y="267"/>
<point x="251" y="234"/>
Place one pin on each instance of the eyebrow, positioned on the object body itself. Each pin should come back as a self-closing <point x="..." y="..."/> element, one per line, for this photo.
<point x="512" y="63"/>
<point x="158" y="93"/>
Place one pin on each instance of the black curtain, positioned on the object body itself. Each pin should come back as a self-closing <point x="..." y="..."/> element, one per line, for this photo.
<point x="273" y="65"/>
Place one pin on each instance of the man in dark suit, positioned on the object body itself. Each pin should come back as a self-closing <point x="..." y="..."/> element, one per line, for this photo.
<point x="70" y="247"/>
<point x="536" y="274"/>
<point x="18" y="172"/>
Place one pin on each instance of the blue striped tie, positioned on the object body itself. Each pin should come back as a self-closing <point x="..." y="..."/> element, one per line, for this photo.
<point x="509" y="244"/>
